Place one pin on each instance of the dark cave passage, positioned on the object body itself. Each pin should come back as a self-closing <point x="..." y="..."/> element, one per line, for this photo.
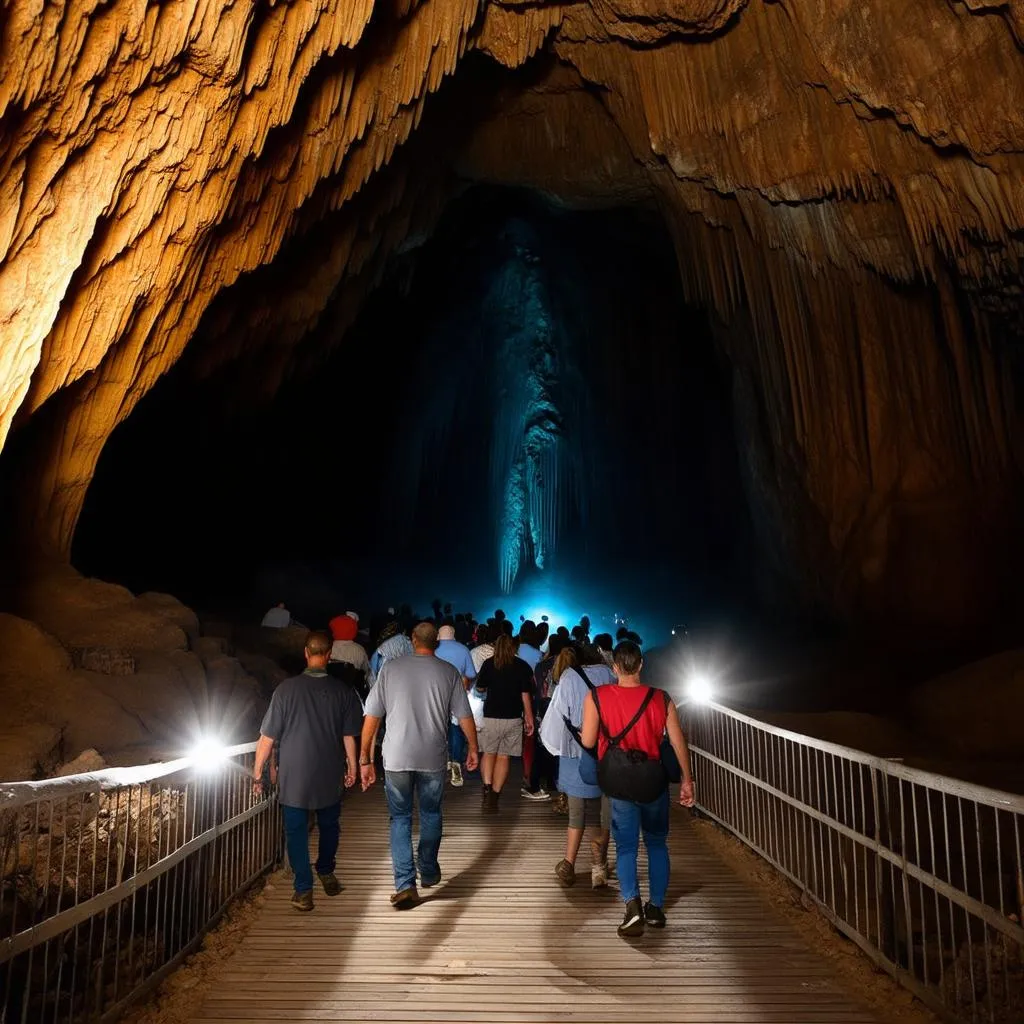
<point x="382" y="475"/>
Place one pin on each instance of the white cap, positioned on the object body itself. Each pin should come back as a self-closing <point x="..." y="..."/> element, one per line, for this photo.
<point x="352" y="615"/>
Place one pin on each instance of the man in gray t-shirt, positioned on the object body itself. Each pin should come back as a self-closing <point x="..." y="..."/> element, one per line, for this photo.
<point x="419" y="694"/>
<point x="314" y="719"/>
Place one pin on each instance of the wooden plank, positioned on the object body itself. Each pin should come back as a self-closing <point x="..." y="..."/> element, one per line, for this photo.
<point x="499" y="941"/>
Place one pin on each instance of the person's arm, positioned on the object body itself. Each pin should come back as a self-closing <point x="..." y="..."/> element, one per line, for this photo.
<point x="588" y="731"/>
<point x="264" y="748"/>
<point x="528" y="713"/>
<point x="351" y="760"/>
<point x="468" y="727"/>
<point x="678" y="741"/>
<point x="367" y="769"/>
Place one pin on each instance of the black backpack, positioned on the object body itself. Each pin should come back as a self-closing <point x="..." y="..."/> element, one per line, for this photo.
<point x="629" y="774"/>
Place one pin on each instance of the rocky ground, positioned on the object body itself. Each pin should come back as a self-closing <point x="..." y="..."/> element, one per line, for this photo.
<point x="88" y="667"/>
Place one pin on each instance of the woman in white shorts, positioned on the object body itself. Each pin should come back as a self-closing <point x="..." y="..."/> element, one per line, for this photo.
<point x="505" y="681"/>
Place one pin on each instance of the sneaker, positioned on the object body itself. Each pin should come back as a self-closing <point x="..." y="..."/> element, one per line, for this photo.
<point x="654" y="916"/>
<point x="331" y="884"/>
<point x="598" y="876"/>
<point x="565" y="873"/>
<point x="535" y="794"/>
<point x="406" y="899"/>
<point x="456" y="770"/>
<point x="302" y="901"/>
<point x="633" y="920"/>
<point x="491" y="801"/>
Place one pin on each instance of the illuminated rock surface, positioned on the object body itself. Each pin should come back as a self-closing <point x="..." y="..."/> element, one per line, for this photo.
<point x="843" y="183"/>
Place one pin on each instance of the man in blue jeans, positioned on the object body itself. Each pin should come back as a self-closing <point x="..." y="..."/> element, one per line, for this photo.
<point x="315" y="720"/>
<point x="615" y="708"/>
<point x="419" y="693"/>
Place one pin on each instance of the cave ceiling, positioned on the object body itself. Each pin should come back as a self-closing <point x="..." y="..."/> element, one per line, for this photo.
<point x="842" y="182"/>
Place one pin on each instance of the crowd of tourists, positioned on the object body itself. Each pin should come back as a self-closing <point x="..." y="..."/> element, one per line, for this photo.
<point x="431" y="702"/>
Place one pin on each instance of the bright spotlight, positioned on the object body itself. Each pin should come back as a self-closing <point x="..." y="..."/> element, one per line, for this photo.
<point x="208" y="754"/>
<point x="699" y="688"/>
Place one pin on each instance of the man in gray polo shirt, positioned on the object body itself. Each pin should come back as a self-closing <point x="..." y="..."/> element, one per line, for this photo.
<point x="419" y="694"/>
<point x="315" y="719"/>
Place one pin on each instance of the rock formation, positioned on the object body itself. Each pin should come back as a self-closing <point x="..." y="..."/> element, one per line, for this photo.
<point x="843" y="183"/>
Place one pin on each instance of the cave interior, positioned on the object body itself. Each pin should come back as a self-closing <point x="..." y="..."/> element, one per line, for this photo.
<point x="713" y="304"/>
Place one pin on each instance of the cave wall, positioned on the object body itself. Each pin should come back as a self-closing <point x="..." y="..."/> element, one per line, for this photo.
<point x="843" y="183"/>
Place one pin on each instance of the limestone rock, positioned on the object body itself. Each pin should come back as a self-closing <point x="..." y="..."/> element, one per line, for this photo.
<point x="87" y="761"/>
<point x="843" y="182"/>
<point x="109" y="661"/>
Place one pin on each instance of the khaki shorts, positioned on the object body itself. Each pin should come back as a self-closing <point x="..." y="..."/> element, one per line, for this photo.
<point x="502" y="736"/>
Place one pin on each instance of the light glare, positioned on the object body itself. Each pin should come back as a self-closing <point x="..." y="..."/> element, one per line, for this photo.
<point x="699" y="688"/>
<point x="208" y="754"/>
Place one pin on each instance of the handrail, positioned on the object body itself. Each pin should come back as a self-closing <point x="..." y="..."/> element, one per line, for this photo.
<point x="923" y="872"/>
<point x="944" y="783"/>
<point x="18" y="794"/>
<point x="108" y="879"/>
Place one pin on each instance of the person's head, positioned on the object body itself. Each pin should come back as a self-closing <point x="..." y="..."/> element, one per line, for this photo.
<point x="485" y="633"/>
<point x="280" y="604"/>
<point x="566" y="659"/>
<point x="603" y="642"/>
<point x="627" y="658"/>
<point x="622" y="633"/>
<point x="499" y="615"/>
<point x="446" y="633"/>
<point x="507" y="628"/>
<point x="563" y="631"/>
<point x="585" y="623"/>
<point x="579" y="634"/>
<point x="541" y="633"/>
<point x="504" y="650"/>
<point x="424" y="638"/>
<point x="318" y="648"/>
<point x="556" y="645"/>
<point x="588" y="654"/>
<point x="528" y="633"/>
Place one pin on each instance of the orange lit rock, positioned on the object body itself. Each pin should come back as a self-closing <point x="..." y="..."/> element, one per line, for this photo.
<point x="821" y="165"/>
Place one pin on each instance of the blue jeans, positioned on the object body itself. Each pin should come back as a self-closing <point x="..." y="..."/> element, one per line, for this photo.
<point x="399" y="788"/>
<point x="457" y="744"/>
<point x="628" y="821"/>
<point x="296" y="837"/>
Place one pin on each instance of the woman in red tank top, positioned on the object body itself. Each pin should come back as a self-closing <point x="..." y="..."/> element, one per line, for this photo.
<point x="618" y="705"/>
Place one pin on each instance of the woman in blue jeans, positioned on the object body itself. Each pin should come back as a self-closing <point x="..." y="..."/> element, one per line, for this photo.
<point x="630" y="820"/>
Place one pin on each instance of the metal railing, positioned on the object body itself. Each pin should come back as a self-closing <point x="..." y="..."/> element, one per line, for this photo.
<point x="921" y="871"/>
<point x="110" y="878"/>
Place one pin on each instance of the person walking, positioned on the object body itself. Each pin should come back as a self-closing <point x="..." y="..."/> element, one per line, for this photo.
<point x="607" y="712"/>
<point x="418" y="693"/>
<point x="457" y="655"/>
<point x="577" y="671"/>
<point x="315" y="722"/>
<point x="505" y="681"/>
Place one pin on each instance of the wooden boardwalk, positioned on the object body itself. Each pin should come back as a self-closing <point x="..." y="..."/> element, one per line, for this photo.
<point x="500" y="941"/>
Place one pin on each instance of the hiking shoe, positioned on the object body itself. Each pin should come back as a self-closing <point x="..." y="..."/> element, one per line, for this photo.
<point x="456" y="770"/>
<point x="406" y="899"/>
<point x="331" y="884"/>
<point x="535" y="794"/>
<point x="565" y="873"/>
<point x="598" y="876"/>
<point x="560" y="805"/>
<point x="302" y="901"/>
<point x="633" y="921"/>
<point x="654" y="916"/>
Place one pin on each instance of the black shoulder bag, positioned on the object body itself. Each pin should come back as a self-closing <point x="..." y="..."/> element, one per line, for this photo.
<point x="630" y="774"/>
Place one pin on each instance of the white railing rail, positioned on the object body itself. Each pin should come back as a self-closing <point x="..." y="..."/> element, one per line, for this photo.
<point x="110" y="878"/>
<point x="922" y="871"/>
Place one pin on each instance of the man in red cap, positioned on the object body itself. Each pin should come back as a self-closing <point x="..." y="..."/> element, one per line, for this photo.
<point x="346" y="649"/>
